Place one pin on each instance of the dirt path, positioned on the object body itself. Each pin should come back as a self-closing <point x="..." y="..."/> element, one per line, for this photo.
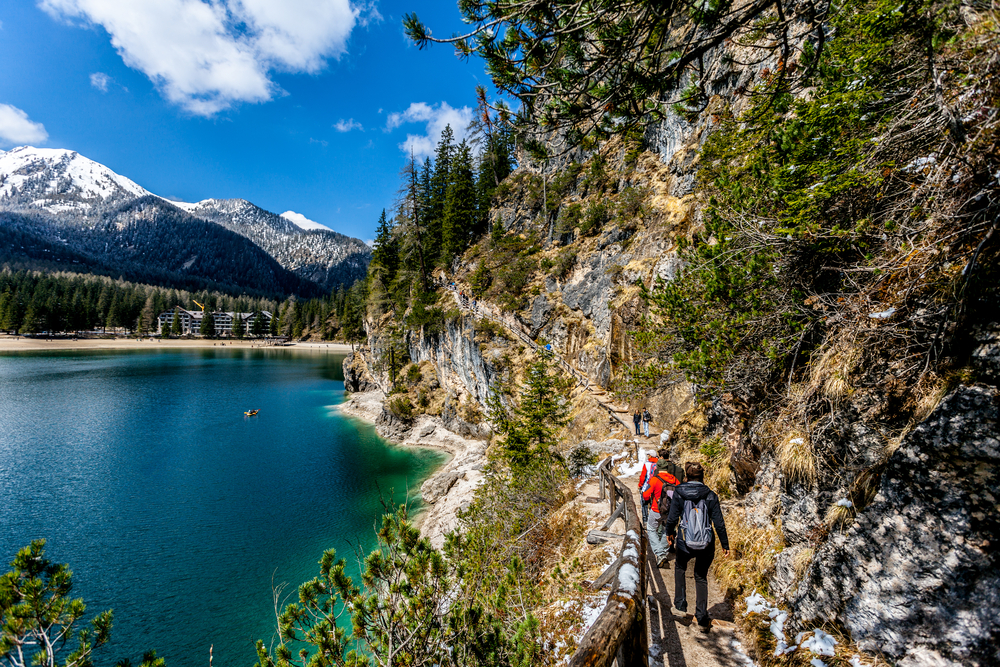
<point x="675" y="640"/>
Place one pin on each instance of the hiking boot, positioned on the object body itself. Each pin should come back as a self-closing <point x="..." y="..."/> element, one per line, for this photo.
<point x="662" y="563"/>
<point x="706" y="628"/>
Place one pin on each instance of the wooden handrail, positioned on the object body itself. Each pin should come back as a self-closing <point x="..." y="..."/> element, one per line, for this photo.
<point x="618" y="636"/>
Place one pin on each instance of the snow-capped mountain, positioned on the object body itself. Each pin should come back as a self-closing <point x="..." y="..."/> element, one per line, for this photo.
<point x="301" y="221"/>
<point x="65" y="190"/>
<point x="321" y="255"/>
<point x="60" y="181"/>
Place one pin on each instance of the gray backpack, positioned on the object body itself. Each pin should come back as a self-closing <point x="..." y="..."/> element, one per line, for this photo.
<point x="696" y="525"/>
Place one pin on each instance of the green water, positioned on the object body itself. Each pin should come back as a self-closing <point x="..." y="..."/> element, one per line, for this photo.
<point x="174" y="509"/>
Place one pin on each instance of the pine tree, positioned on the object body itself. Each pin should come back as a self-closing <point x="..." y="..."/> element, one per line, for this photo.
<point x="531" y="427"/>
<point x="460" y="206"/>
<point x="41" y="620"/>
<point x="411" y="221"/>
<point x="207" y="328"/>
<point x="385" y="254"/>
<point x="258" y="328"/>
<point x="384" y="265"/>
<point x="175" y="326"/>
<point x="439" y="182"/>
<point x="147" y="320"/>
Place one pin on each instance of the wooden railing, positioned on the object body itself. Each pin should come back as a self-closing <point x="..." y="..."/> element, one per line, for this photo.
<point x="618" y="636"/>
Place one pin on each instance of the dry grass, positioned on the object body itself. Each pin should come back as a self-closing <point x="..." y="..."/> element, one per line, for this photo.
<point x="865" y="487"/>
<point x="751" y="557"/>
<point x="829" y="374"/>
<point x="801" y="562"/>
<point x="838" y="516"/>
<point x="797" y="458"/>
<point x="929" y="398"/>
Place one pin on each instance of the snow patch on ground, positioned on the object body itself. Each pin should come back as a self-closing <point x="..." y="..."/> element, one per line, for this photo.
<point x="818" y="642"/>
<point x="883" y="315"/>
<point x="741" y="654"/>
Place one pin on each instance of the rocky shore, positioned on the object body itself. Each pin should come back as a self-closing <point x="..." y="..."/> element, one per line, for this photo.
<point x="449" y="489"/>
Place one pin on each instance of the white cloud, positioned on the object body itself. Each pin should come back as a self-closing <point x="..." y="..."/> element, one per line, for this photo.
<point x="100" y="80"/>
<point x="347" y="125"/>
<point x="16" y="128"/>
<point x="321" y="142"/>
<point x="208" y="56"/>
<point x="435" y="118"/>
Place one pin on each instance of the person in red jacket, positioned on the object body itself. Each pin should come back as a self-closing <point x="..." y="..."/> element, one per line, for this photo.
<point x="648" y="468"/>
<point x="661" y="487"/>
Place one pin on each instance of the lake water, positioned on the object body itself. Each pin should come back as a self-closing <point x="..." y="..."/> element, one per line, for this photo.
<point x="174" y="509"/>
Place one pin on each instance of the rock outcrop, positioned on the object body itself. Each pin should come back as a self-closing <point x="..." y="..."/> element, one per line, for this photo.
<point x="916" y="576"/>
<point x="357" y="376"/>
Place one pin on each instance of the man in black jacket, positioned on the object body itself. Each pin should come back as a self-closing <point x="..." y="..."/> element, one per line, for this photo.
<point x="693" y="491"/>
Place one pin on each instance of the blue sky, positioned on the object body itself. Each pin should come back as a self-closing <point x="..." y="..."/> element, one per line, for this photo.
<point x="301" y="105"/>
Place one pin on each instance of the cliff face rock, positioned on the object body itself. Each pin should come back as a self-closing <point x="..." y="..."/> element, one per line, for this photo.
<point x="464" y="370"/>
<point x="986" y="356"/>
<point x="915" y="577"/>
<point x="357" y="376"/>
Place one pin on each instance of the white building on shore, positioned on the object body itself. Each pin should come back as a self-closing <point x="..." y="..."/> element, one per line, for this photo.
<point x="224" y="321"/>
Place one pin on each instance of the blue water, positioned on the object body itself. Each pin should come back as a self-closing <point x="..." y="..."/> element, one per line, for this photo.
<point x="170" y="506"/>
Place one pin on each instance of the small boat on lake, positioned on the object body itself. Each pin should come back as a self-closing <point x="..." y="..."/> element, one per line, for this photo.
<point x="251" y="413"/>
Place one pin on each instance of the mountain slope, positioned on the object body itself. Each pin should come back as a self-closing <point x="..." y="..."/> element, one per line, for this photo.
<point x="148" y="240"/>
<point x="60" y="181"/>
<point x="89" y="209"/>
<point x="321" y="255"/>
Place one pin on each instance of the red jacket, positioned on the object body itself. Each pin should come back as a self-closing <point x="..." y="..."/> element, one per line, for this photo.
<point x="646" y="468"/>
<point x="656" y="489"/>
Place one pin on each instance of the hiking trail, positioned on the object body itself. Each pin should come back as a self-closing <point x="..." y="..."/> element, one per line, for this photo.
<point x="675" y="640"/>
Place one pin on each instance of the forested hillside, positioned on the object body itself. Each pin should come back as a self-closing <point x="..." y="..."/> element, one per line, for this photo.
<point x="63" y="303"/>
<point x="775" y="224"/>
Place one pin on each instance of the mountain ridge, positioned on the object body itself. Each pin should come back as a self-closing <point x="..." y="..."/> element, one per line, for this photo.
<point x="74" y="192"/>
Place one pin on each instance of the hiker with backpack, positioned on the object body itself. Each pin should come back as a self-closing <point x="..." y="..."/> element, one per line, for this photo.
<point x="695" y="509"/>
<point x="658" y="493"/>
<point x="646" y="419"/>
<point x="646" y="474"/>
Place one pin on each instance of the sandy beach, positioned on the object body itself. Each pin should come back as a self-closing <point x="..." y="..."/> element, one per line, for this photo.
<point x="22" y="344"/>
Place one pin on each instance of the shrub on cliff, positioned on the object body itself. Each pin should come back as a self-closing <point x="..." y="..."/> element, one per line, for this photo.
<point x="864" y="201"/>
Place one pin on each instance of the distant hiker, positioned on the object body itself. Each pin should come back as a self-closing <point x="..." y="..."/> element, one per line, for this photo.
<point x="696" y="509"/>
<point x="637" y="419"/>
<point x="647" y="472"/>
<point x="646" y="418"/>
<point x="658" y="493"/>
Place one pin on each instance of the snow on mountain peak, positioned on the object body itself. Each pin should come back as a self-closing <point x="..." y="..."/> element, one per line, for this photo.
<point x="301" y="221"/>
<point x="59" y="179"/>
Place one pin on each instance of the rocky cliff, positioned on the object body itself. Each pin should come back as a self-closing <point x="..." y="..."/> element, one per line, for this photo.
<point x="843" y="395"/>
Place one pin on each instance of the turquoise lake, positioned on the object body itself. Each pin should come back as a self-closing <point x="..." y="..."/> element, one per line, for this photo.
<point x="174" y="509"/>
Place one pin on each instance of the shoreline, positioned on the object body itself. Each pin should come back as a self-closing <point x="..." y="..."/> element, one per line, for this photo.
<point x="10" y="343"/>
<point x="448" y="489"/>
